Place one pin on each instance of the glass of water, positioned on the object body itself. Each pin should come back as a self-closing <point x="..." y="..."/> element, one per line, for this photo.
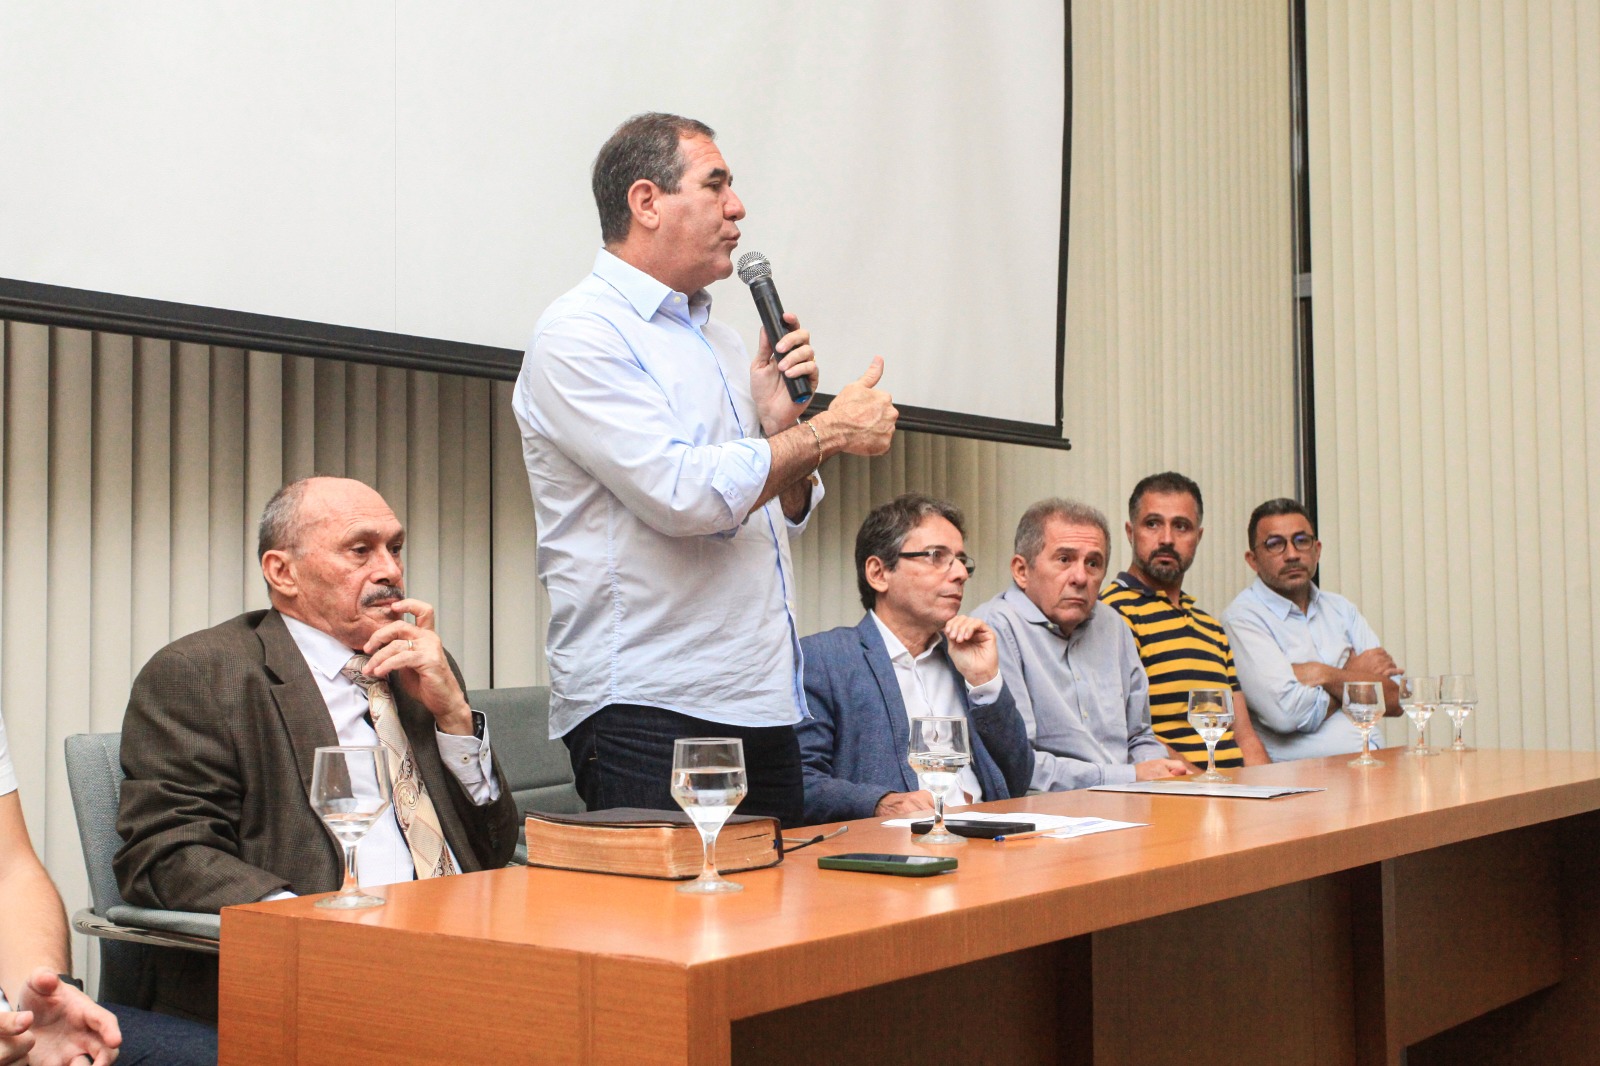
<point x="350" y="789"/>
<point x="1419" y="697"/>
<point x="939" y="749"/>
<point x="1458" y="695"/>
<point x="1211" y="715"/>
<point x="708" y="782"/>
<point x="1363" y="702"/>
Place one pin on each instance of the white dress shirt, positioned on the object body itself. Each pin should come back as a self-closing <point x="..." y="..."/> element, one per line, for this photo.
<point x="644" y="451"/>
<point x="928" y="686"/>
<point x="383" y="857"/>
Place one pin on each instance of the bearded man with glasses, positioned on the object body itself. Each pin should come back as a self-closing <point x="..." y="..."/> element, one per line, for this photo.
<point x="1295" y="645"/>
<point x="913" y="654"/>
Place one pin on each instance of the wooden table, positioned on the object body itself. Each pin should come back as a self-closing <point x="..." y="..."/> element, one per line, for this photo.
<point x="1339" y="926"/>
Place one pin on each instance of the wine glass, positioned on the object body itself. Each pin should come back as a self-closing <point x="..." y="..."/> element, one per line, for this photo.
<point x="1458" y="694"/>
<point x="1363" y="702"/>
<point x="939" y="749"/>
<point x="1211" y="715"/>
<point x="1419" y="696"/>
<point x="708" y="782"/>
<point x="350" y="789"/>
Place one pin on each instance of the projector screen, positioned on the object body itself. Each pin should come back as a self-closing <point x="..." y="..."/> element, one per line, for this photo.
<point x="408" y="181"/>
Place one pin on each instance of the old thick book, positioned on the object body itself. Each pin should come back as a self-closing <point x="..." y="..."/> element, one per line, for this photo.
<point x="643" y="843"/>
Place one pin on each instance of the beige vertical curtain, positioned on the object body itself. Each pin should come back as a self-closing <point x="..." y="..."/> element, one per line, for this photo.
<point x="134" y="470"/>
<point x="1455" y="172"/>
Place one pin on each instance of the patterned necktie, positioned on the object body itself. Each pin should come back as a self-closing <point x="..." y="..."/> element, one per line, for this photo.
<point x="412" y="804"/>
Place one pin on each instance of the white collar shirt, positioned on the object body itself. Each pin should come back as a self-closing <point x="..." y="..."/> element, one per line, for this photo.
<point x="930" y="686"/>
<point x="383" y="856"/>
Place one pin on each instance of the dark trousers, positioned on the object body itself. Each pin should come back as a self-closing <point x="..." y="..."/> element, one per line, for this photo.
<point x="162" y="1040"/>
<point x="622" y="757"/>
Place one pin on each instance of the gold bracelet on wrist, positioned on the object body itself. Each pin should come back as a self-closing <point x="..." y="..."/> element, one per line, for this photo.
<point x="815" y="476"/>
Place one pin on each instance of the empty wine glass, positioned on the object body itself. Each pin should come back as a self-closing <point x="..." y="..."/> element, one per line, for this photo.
<point x="708" y="782"/>
<point x="1211" y="715"/>
<point x="1458" y="695"/>
<point x="1419" y="697"/>
<point x="939" y="749"/>
<point x="350" y="789"/>
<point x="1363" y="702"/>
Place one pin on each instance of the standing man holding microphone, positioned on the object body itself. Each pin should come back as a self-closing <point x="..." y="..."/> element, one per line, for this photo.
<point x="668" y="472"/>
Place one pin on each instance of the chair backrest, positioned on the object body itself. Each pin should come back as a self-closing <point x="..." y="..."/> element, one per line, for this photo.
<point x="94" y="774"/>
<point x="537" y="767"/>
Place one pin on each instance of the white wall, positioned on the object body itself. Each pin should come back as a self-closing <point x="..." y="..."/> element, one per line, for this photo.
<point x="1455" y="169"/>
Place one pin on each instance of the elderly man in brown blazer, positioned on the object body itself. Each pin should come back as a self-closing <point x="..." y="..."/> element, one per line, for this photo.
<point x="222" y="725"/>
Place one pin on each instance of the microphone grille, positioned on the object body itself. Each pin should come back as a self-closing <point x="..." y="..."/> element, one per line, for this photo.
<point x="753" y="266"/>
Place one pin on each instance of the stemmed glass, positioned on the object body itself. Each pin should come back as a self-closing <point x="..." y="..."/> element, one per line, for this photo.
<point x="939" y="749"/>
<point x="1458" y="693"/>
<point x="1419" y="696"/>
<point x="350" y="789"/>
<point x="1363" y="702"/>
<point x="1211" y="715"/>
<point x="708" y="782"/>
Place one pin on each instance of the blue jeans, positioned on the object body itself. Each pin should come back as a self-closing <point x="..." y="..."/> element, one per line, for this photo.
<point x="622" y="757"/>
<point x="150" y="1039"/>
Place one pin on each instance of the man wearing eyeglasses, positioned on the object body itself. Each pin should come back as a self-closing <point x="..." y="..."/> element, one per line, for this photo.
<point x="912" y="655"/>
<point x="1295" y="645"/>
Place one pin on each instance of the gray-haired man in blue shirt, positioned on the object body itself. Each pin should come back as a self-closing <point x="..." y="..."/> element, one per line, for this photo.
<point x="1070" y="662"/>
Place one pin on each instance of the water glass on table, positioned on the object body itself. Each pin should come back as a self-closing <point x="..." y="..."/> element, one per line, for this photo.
<point x="708" y="781"/>
<point x="940" y="747"/>
<point x="350" y="789"/>
<point x="1363" y="702"/>
<point x="1211" y="715"/>
<point x="1458" y="695"/>
<point x="1419" y="698"/>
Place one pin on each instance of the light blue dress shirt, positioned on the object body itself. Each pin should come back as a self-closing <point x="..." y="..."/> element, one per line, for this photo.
<point x="645" y="456"/>
<point x="1084" y="698"/>
<point x="1269" y="635"/>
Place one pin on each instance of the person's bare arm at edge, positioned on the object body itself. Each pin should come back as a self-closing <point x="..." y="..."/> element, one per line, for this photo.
<point x="860" y="421"/>
<point x="53" y="1022"/>
<point x="1244" y="734"/>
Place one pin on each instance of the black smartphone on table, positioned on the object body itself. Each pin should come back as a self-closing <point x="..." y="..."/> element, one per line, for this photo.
<point x="881" y="863"/>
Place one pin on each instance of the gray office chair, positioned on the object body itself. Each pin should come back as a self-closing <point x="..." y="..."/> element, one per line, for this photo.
<point x="536" y="767"/>
<point x="94" y="774"/>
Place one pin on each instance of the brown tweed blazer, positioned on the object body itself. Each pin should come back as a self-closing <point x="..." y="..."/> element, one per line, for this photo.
<point x="217" y="746"/>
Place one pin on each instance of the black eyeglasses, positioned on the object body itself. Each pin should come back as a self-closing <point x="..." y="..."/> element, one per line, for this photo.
<point x="1275" y="545"/>
<point x="941" y="558"/>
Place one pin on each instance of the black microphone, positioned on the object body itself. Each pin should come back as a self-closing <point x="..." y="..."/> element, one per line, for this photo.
<point x="756" y="272"/>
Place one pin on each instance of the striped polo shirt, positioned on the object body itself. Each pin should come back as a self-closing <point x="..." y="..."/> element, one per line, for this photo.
<point x="1182" y="648"/>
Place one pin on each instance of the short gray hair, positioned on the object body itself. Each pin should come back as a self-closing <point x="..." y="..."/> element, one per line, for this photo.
<point x="281" y="522"/>
<point x="1030" y="529"/>
<point x="645" y="146"/>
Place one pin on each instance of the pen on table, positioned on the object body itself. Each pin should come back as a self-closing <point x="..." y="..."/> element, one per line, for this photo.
<point x="1024" y="836"/>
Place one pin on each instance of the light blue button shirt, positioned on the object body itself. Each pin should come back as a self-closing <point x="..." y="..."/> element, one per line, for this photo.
<point x="644" y="453"/>
<point x="1269" y="635"/>
<point x="1084" y="698"/>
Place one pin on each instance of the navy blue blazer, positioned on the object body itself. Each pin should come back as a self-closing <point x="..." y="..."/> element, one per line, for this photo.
<point x="854" y="745"/>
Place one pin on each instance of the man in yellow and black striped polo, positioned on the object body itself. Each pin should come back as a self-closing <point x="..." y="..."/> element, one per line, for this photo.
<point x="1182" y="647"/>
